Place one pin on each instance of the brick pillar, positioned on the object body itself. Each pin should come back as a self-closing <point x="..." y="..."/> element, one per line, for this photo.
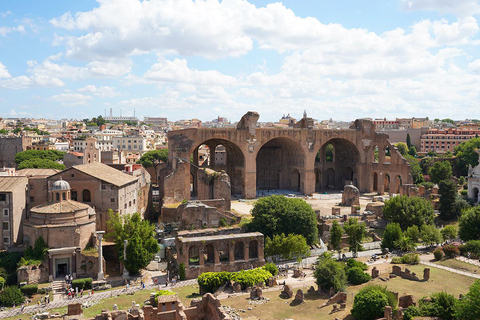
<point x="246" y="252"/>
<point x="231" y="253"/>
<point x="250" y="182"/>
<point x="261" y="253"/>
<point x="216" y="255"/>
<point x="201" y="261"/>
<point x="381" y="183"/>
<point x="307" y="182"/>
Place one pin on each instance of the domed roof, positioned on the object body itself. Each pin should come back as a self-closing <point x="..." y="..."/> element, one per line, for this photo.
<point x="60" y="185"/>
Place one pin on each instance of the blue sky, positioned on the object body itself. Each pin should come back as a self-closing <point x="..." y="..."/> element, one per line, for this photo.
<point x="200" y="59"/>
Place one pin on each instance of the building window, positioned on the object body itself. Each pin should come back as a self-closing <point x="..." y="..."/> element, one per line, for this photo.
<point x="73" y="195"/>
<point x="125" y="206"/>
<point x="112" y="199"/>
<point x="86" y="196"/>
<point x="6" y="240"/>
<point x="5" y="212"/>
<point x="3" y="197"/>
<point x="130" y="203"/>
<point x="104" y="187"/>
<point x="73" y="175"/>
<point x="31" y="187"/>
<point x="5" y="226"/>
<point x="133" y="201"/>
<point x="32" y="199"/>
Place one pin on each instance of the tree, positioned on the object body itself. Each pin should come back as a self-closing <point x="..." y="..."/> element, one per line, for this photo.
<point x="357" y="276"/>
<point x="288" y="246"/>
<point x="430" y="235"/>
<point x="466" y="155"/>
<point x="356" y="232"/>
<point x="441" y="170"/>
<point x="53" y="155"/>
<point x="402" y="148"/>
<point x="448" y="194"/>
<point x="440" y="304"/>
<point x="329" y="153"/>
<point x="100" y="120"/>
<point x="408" y="141"/>
<point x="409" y="211"/>
<point x="415" y="169"/>
<point x="3" y="131"/>
<point x="413" y="233"/>
<point x="405" y="243"/>
<point x="468" y="308"/>
<point x="469" y="224"/>
<point x="392" y="233"/>
<point x="40" y="163"/>
<point x="336" y="235"/>
<point x="412" y="151"/>
<point x="369" y="304"/>
<point x="449" y="232"/>
<point x="142" y="245"/>
<point x="153" y="159"/>
<point x="279" y="214"/>
<point x="10" y="296"/>
<point x="330" y="273"/>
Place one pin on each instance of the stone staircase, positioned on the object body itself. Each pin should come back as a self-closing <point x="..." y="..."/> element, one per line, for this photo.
<point x="57" y="289"/>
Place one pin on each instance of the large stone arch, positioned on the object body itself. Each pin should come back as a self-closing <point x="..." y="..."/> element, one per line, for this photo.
<point x="346" y="158"/>
<point x="233" y="165"/>
<point x="280" y="165"/>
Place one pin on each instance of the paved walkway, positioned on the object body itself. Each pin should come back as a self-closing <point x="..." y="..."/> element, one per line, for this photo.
<point x="88" y="298"/>
<point x="425" y="260"/>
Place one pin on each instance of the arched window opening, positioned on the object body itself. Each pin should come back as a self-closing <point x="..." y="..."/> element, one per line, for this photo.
<point x="253" y="249"/>
<point x="86" y="196"/>
<point x="193" y="256"/>
<point x="375" y="155"/>
<point x="239" y="252"/>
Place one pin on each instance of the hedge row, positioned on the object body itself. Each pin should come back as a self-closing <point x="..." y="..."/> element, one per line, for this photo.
<point x="211" y="281"/>
<point x="29" y="289"/>
<point x="85" y="283"/>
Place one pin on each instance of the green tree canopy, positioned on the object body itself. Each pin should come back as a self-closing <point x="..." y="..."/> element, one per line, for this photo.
<point x="449" y="232"/>
<point x="430" y="235"/>
<point x="415" y="169"/>
<point x="369" y="304"/>
<point x="467" y="155"/>
<point x="441" y="170"/>
<point x="356" y="232"/>
<point x="153" y="158"/>
<point x="402" y="148"/>
<point x="393" y="232"/>
<point x="142" y="245"/>
<point x="288" y="246"/>
<point x="40" y="163"/>
<point x="469" y="307"/>
<point x="448" y="194"/>
<point x="469" y="224"/>
<point x="412" y="151"/>
<point x="53" y="155"/>
<point x="279" y="214"/>
<point x="336" y="235"/>
<point x="408" y="141"/>
<point x="330" y="273"/>
<point x="408" y="211"/>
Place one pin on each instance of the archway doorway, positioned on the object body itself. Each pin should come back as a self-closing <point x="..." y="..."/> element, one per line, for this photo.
<point x="375" y="182"/>
<point x="279" y="162"/>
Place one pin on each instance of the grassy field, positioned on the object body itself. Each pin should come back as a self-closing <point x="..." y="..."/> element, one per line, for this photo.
<point x="279" y="308"/>
<point x="459" y="265"/>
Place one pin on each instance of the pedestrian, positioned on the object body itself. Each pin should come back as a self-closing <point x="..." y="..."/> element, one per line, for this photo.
<point x="66" y="278"/>
<point x="71" y="279"/>
<point x="141" y="284"/>
<point x="23" y="307"/>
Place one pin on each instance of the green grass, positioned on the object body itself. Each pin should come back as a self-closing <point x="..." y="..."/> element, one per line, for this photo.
<point x="459" y="265"/>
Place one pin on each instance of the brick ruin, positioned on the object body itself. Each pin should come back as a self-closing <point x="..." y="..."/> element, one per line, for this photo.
<point x="202" y="251"/>
<point x="271" y="158"/>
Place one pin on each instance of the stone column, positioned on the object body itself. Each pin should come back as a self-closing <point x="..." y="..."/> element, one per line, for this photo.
<point x="51" y="272"/>
<point x="381" y="183"/>
<point x="100" y="255"/>
<point x="246" y="252"/>
<point x="250" y="182"/>
<point x="307" y="181"/>
<point x="231" y="253"/>
<point x="201" y="261"/>
<point x="261" y="253"/>
<point x="216" y="255"/>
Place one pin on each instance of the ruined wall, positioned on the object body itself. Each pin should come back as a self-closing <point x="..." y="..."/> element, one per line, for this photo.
<point x="33" y="274"/>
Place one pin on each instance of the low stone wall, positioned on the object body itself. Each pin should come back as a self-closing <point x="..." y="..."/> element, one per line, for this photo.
<point x="33" y="274"/>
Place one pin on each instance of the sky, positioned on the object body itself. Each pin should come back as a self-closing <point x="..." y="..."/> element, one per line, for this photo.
<point x="184" y="59"/>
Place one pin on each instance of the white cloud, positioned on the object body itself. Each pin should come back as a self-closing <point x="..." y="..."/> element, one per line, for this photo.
<point x="457" y="7"/>
<point x="178" y="71"/>
<point x="6" y="30"/>
<point x="6" y="13"/>
<point x="475" y="66"/>
<point x="102" y="92"/>
<point x="71" y="99"/>
<point x="4" y="72"/>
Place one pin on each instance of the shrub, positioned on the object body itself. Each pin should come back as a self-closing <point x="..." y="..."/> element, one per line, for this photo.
<point x="88" y="283"/>
<point x="271" y="267"/>
<point x="351" y="263"/>
<point x="392" y="233"/>
<point x="330" y="273"/>
<point x="473" y="246"/>
<point x="451" y="251"/>
<point x="181" y="271"/>
<point x="413" y="233"/>
<point x="438" y="254"/>
<point x="85" y="283"/>
<point x="411" y="312"/>
<point x="440" y="305"/>
<point x="411" y="258"/>
<point x="397" y="260"/>
<point x="162" y="293"/>
<point x="357" y="276"/>
<point x="11" y="295"/>
<point x="29" y="289"/>
<point x="369" y="304"/>
<point x="211" y="281"/>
